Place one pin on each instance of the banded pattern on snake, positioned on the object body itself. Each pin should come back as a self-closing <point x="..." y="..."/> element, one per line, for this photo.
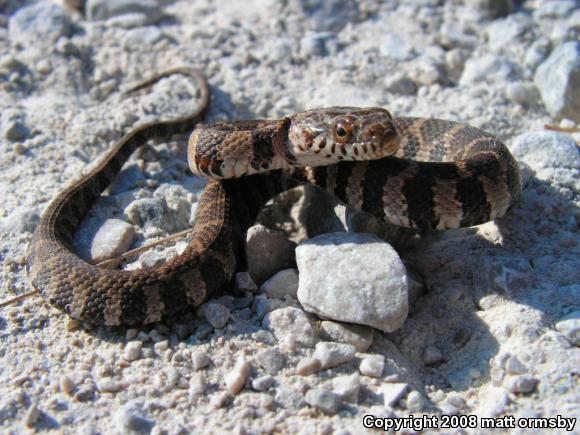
<point x="442" y="175"/>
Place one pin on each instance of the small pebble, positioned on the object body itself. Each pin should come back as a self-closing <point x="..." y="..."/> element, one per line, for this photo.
<point x="131" y="334"/>
<point x="32" y="415"/>
<point x="108" y="385"/>
<point x="161" y="346"/>
<point x="197" y="385"/>
<point x="199" y="360"/>
<point x="415" y="401"/>
<point x="282" y="284"/>
<point x="393" y="392"/>
<point x="347" y="387"/>
<point x="307" y="366"/>
<point x="219" y="400"/>
<point x="372" y="366"/>
<point x="130" y="418"/>
<point x="326" y="401"/>
<point x="514" y="366"/>
<point x="359" y="336"/>
<point x="67" y="385"/>
<point x="334" y="354"/>
<point x="523" y="384"/>
<point x="244" y="282"/>
<point x="217" y="315"/>
<point x="237" y="377"/>
<point x="569" y="326"/>
<point x="270" y="360"/>
<point x="133" y="350"/>
<point x="262" y="383"/>
<point x="432" y="356"/>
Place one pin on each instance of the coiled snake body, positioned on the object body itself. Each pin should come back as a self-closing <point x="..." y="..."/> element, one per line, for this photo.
<point x="436" y="175"/>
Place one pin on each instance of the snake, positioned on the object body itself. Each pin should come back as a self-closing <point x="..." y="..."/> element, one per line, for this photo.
<point x="420" y="173"/>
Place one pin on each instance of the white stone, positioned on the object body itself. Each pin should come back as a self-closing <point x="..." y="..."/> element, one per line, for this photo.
<point x="569" y="326"/>
<point x="307" y="366"/>
<point x="237" y="377"/>
<point x="546" y="149"/>
<point x="347" y="387"/>
<point x="558" y="79"/>
<point x="270" y="360"/>
<point x="359" y="336"/>
<point x="133" y="350"/>
<point x="291" y="321"/>
<point x="393" y="392"/>
<point x="372" y="366"/>
<point x="282" y="284"/>
<point x="199" y="360"/>
<point x="326" y="401"/>
<point x="368" y="284"/>
<point x="415" y="401"/>
<point x="487" y="68"/>
<point x="333" y="354"/>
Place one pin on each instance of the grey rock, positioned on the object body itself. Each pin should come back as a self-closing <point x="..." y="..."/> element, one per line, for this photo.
<point x="178" y="201"/>
<point x="105" y="9"/>
<point x="262" y="383"/>
<point x="488" y="68"/>
<point x="131" y="417"/>
<point x="494" y="8"/>
<point x="199" y="360"/>
<point x="347" y="387"/>
<point x="503" y="275"/>
<point x="369" y="288"/>
<point x="41" y="23"/>
<point x="270" y="360"/>
<point x="415" y="401"/>
<point x="333" y="354"/>
<point x="523" y="384"/>
<point x="149" y="212"/>
<point x="284" y="283"/>
<point x="244" y="282"/>
<point x="217" y="315"/>
<point x="393" y="392"/>
<point x="98" y="241"/>
<point x="558" y="79"/>
<point x="432" y="356"/>
<point x="400" y="83"/>
<point x="359" y="336"/>
<point x="15" y="131"/>
<point x="291" y="324"/>
<point x="331" y="15"/>
<point x="396" y="48"/>
<point x="569" y="326"/>
<point x="267" y="251"/>
<point x="326" y="401"/>
<point x="372" y="366"/>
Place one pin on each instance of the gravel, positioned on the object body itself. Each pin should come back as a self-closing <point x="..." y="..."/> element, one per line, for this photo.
<point x="499" y="301"/>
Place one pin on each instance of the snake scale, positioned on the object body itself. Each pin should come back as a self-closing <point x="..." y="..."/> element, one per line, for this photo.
<point x="425" y="174"/>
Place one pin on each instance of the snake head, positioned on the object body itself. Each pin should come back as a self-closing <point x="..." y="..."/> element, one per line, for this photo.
<point x="324" y="136"/>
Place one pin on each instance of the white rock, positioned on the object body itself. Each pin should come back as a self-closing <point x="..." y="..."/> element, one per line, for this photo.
<point x="504" y="32"/>
<point x="395" y="47"/>
<point x="270" y="360"/>
<point x="237" y="377"/>
<point x="32" y="415"/>
<point x="523" y="384"/>
<point x="326" y="401"/>
<point x="546" y="149"/>
<point x="347" y="387"/>
<point x="522" y="93"/>
<point x="558" y="79"/>
<point x="199" y="360"/>
<point x="333" y="354"/>
<point x="149" y="212"/>
<point x="569" y="326"/>
<point x="415" y="401"/>
<point x="133" y="350"/>
<point x="108" y="385"/>
<point x="130" y="418"/>
<point x="197" y="385"/>
<point x="262" y="383"/>
<point x="41" y="23"/>
<point x="283" y="283"/>
<point x="178" y="200"/>
<point x="291" y="321"/>
<point x="114" y="237"/>
<point x="359" y="336"/>
<point x="372" y="366"/>
<point x="514" y="366"/>
<point x="369" y="284"/>
<point x="488" y="68"/>
<point x="393" y="392"/>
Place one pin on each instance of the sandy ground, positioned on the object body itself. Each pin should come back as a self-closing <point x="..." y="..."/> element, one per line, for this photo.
<point x="494" y="333"/>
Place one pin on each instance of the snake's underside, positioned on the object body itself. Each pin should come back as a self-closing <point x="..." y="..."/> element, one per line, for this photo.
<point x="443" y="175"/>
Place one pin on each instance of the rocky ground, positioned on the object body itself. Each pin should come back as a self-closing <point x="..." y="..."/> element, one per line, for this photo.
<point x="490" y="316"/>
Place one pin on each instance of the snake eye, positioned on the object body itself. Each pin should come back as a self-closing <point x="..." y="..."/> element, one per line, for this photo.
<point x="343" y="129"/>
